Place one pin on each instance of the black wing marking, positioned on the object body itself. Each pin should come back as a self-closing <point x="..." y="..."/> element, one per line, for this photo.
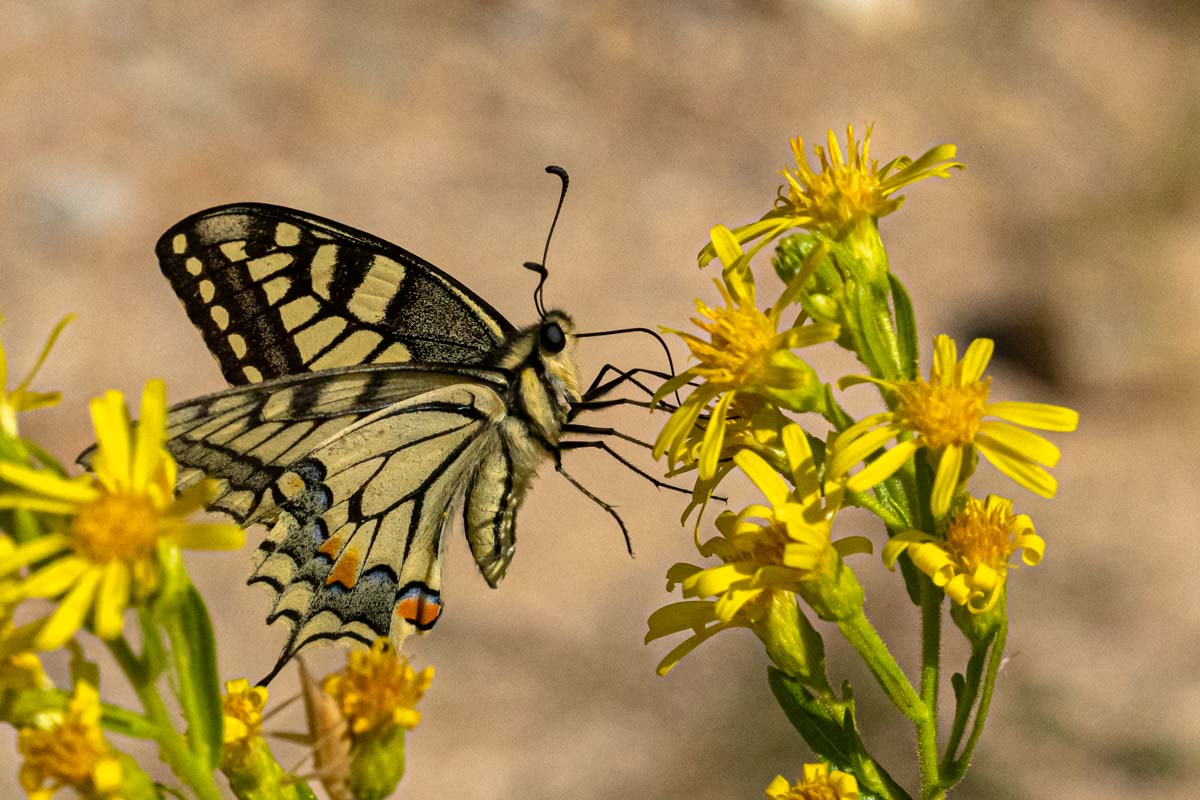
<point x="277" y="292"/>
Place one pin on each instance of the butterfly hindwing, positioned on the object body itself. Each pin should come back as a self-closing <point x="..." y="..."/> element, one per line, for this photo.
<point x="278" y="292"/>
<point x="356" y="473"/>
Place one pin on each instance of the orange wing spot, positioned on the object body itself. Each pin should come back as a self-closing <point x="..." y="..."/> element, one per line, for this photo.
<point x="345" y="571"/>
<point x="420" y="609"/>
<point x="408" y="608"/>
<point x="428" y="614"/>
<point x="334" y="544"/>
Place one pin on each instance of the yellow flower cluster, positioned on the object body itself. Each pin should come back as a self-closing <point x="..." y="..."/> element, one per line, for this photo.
<point x="817" y="782"/>
<point x="69" y="750"/>
<point x="107" y="552"/>
<point x="378" y="690"/>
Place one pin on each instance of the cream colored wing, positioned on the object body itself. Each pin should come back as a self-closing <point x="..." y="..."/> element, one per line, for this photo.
<point x="356" y="546"/>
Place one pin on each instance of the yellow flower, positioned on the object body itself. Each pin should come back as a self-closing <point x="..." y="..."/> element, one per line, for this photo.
<point x="765" y="550"/>
<point x="20" y="398"/>
<point x="947" y="415"/>
<point x="378" y="689"/>
<point x="817" y="783"/>
<point x="70" y="751"/>
<point x="971" y="561"/>
<point x="241" y="709"/>
<point x="117" y="520"/>
<point x="744" y="357"/>
<point x="842" y="192"/>
<point x="246" y="757"/>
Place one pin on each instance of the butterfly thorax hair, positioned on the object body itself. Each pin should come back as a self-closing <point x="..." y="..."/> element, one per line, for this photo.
<point x="545" y="381"/>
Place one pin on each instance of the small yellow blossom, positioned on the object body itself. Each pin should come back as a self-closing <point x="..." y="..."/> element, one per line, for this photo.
<point x="246" y="758"/>
<point x="241" y="709"/>
<point x="69" y="750"/>
<point x="842" y="192"/>
<point x="107" y="555"/>
<point x="20" y="398"/>
<point x="818" y="782"/>
<point x="742" y="358"/>
<point x="947" y="415"/>
<point x="971" y="561"/>
<point x="765" y="549"/>
<point x="378" y="690"/>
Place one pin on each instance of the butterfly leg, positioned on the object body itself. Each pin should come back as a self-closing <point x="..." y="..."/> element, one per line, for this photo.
<point x="600" y="387"/>
<point x="586" y="493"/>
<point x="624" y="462"/>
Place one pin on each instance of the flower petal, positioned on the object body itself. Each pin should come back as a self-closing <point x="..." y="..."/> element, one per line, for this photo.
<point x="68" y="617"/>
<point x="111" y="600"/>
<point x="1018" y="443"/>
<point x="111" y="422"/>
<point x="882" y="468"/>
<point x="55" y="578"/>
<point x="714" y="438"/>
<point x="682" y="616"/>
<point x="150" y="434"/>
<point x="688" y="645"/>
<point x="209" y="536"/>
<point x="801" y="463"/>
<point x="33" y="550"/>
<point x="45" y="482"/>
<point x="732" y="601"/>
<point x="945" y="356"/>
<point x="1042" y="416"/>
<point x="768" y="481"/>
<point x="1031" y="476"/>
<point x="975" y="360"/>
<point x="853" y="446"/>
<point x="946" y="480"/>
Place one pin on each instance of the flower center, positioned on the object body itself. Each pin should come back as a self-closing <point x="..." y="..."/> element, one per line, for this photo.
<point x="68" y="753"/>
<point x="378" y="690"/>
<point x="841" y="191"/>
<point x="979" y="535"/>
<point x="739" y="341"/>
<point x="943" y="414"/>
<point x="116" y="527"/>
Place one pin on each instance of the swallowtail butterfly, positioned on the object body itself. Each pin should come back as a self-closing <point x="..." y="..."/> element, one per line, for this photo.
<point x="373" y="395"/>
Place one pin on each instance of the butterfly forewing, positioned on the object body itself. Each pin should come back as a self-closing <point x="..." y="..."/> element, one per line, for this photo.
<point x="277" y="292"/>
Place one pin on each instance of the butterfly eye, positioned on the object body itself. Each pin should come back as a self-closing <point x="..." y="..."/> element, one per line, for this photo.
<point x="552" y="338"/>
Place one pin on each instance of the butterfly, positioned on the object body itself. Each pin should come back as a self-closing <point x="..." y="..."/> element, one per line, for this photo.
<point x="373" y="397"/>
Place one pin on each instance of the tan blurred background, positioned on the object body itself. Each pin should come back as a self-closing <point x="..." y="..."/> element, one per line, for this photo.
<point x="1072" y="236"/>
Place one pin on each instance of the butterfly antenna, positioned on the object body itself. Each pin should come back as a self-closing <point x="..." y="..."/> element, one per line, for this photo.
<point x="540" y="268"/>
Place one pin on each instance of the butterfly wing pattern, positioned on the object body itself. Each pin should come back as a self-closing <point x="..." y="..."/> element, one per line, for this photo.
<point x="372" y="393"/>
<point x="276" y="292"/>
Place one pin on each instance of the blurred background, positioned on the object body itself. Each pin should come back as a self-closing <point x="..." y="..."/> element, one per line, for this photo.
<point x="1072" y="238"/>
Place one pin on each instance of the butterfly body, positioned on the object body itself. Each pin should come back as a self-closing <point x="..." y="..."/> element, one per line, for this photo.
<point x="373" y="397"/>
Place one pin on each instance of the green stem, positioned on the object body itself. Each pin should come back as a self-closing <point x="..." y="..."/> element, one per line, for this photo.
<point x="931" y="640"/>
<point x="985" y="700"/>
<point x="172" y="748"/>
<point x="863" y="637"/>
<point x="186" y="682"/>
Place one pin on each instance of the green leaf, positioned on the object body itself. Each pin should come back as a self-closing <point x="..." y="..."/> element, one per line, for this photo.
<point x="912" y="578"/>
<point x="813" y="722"/>
<point x="906" y="329"/>
<point x="194" y="652"/>
<point x="303" y="792"/>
